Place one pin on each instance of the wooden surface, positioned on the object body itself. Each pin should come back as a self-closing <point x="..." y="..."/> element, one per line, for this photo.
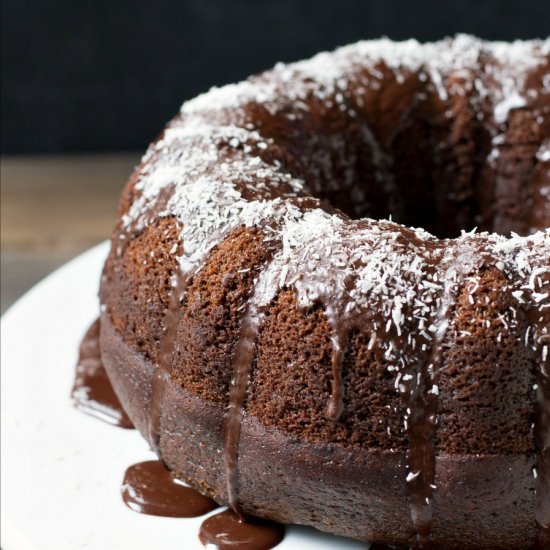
<point x="52" y="209"/>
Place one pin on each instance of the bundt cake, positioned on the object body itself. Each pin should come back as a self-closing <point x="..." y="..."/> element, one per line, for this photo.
<point x="291" y="346"/>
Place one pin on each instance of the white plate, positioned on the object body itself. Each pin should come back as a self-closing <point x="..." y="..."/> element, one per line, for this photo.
<point x="61" y="469"/>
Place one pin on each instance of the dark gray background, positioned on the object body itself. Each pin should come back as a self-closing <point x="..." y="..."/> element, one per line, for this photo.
<point x="90" y="75"/>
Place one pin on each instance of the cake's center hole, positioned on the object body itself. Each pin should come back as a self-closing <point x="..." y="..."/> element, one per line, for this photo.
<point x="417" y="206"/>
<point x="442" y="217"/>
<point x="423" y="176"/>
<point x="413" y="181"/>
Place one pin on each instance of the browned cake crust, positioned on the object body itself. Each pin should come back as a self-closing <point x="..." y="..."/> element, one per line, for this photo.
<point x="302" y="364"/>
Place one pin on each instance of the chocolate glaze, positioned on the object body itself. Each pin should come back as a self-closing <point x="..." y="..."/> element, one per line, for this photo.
<point x="92" y="392"/>
<point x="150" y="488"/>
<point x="228" y="531"/>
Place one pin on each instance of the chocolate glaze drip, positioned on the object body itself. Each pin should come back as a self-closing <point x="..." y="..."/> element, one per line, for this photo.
<point x="542" y="429"/>
<point x="158" y="384"/>
<point x="167" y="346"/>
<point x="92" y="392"/>
<point x="264" y="291"/>
<point x="421" y="456"/>
<point x="245" y="353"/>
<point x="422" y="399"/>
<point x="150" y="488"/>
<point x="227" y="531"/>
<point x="339" y="343"/>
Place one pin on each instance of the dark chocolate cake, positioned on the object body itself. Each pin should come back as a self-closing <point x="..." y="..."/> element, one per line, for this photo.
<point x="288" y="343"/>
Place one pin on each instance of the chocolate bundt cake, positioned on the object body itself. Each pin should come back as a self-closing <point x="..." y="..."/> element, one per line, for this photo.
<point x="288" y="343"/>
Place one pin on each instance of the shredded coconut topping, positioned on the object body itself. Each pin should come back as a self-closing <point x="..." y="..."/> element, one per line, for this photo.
<point x="208" y="172"/>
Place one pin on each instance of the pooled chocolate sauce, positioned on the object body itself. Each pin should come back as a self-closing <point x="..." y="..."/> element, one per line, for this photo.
<point x="150" y="488"/>
<point x="92" y="392"/>
<point x="227" y="531"/>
